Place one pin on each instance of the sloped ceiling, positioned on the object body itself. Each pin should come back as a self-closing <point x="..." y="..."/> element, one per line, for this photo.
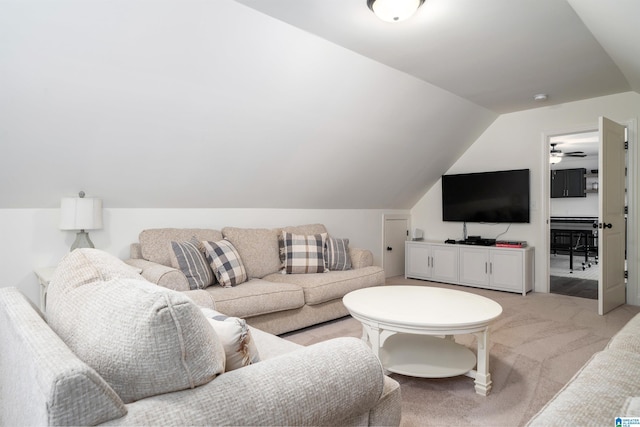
<point x="192" y="104"/>
<point x="495" y="53"/>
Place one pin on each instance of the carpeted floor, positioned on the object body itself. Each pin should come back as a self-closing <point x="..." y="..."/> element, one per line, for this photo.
<point x="538" y="343"/>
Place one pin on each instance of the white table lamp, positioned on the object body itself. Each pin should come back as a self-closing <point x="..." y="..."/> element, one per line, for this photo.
<point x="80" y="213"/>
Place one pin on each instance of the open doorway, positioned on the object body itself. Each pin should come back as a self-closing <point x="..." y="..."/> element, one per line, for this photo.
<point x="573" y="208"/>
<point x="614" y="169"/>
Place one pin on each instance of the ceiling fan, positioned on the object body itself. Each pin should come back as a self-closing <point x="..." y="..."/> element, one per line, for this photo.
<point x="558" y="153"/>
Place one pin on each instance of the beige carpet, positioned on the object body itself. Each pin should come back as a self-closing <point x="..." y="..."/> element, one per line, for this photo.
<point x="539" y="342"/>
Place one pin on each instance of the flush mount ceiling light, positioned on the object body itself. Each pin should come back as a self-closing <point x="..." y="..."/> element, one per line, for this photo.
<point x="394" y="10"/>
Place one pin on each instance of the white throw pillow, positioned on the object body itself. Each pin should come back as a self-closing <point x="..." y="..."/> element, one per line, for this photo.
<point x="233" y="332"/>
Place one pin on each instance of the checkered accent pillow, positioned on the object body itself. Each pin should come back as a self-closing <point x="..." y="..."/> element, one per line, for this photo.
<point x="225" y="263"/>
<point x="303" y="254"/>
<point x="189" y="258"/>
<point x="337" y="254"/>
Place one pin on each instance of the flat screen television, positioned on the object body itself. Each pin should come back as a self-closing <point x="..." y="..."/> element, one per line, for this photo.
<point x="500" y="196"/>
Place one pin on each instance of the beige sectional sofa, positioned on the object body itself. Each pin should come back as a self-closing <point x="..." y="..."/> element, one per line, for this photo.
<point x="607" y="387"/>
<point x="271" y="301"/>
<point x="117" y="350"/>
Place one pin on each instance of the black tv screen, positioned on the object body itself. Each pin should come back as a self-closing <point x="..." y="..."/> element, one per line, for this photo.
<point x="500" y="196"/>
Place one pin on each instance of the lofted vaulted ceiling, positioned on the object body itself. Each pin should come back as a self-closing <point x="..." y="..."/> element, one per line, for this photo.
<point x="279" y="103"/>
<point x="495" y="53"/>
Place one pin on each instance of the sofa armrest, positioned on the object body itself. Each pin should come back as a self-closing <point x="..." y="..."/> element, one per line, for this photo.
<point x="328" y="383"/>
<point x="42" y="382"/>
<point x="360" y="258"/>
<point x="135" y="251"/>
<point x="161" y="275"/>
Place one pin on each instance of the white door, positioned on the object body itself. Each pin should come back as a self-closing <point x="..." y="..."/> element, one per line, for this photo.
<point x="611" y="227"/>
<point x="396" y="232"/>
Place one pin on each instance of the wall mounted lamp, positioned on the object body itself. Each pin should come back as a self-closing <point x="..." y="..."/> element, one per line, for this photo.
<point x="81" y="213"/>
<point x="394" y="10"/>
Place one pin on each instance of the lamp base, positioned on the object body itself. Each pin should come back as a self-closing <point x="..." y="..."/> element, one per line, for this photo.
<point x="82" y="241"/>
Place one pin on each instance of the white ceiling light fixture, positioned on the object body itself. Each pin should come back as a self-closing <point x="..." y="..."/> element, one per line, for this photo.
<point x="554" y="159"/>
<point x="394" y="10"/>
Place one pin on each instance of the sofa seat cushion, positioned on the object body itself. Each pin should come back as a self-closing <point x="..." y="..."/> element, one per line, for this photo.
<point x="323" y="287"/>
<point x="141" y="338"/>
<point x="597" y="394"/>
<point x="155" y="243"/>
<point x="256" y="297"/>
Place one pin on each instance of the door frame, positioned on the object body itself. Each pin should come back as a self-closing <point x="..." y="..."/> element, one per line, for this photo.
<point x="386" y="217"/>
<point x="633" y="227"/>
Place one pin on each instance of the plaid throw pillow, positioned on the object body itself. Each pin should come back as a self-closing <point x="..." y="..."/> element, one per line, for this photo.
<point x="303" y="254"/>
<point x="225" y="262"/>
<point x="189" y="258"/>
<point x="337" y="254"/>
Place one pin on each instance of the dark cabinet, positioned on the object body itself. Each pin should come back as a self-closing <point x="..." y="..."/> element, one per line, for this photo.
<point x="568" y="183"/>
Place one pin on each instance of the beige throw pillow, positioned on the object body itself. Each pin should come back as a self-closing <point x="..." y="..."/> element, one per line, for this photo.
<point x="143" y="339"/>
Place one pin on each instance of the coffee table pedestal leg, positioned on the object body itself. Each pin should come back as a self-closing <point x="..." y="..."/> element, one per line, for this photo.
<point x="482" y="375"/>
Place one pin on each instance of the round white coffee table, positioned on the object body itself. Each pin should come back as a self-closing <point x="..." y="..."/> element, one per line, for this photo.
<point x="405" y="326"/>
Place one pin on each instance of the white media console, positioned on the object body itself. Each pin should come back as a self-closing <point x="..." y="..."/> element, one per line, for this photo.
<point x="489" y="267"/>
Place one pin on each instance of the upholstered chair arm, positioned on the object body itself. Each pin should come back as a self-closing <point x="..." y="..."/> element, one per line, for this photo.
<point x="360" y="258"/>
<point x="135" y="251"/>
<point x="310" y="386"/>
<point x="161" y="275"/>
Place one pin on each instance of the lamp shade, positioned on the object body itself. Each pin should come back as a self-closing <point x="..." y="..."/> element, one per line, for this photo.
<point x="80" y="213"/>
<point x="394" y="10"/>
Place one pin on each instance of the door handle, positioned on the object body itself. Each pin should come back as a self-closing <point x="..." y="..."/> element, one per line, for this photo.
<point x="606" y="225"/>
<point x="389" y="248"/>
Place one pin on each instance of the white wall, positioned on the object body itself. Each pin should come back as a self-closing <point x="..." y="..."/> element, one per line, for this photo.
<point x="210" y="92"/>
<point x="516" y="141"/>
<point x="31" y="238"/>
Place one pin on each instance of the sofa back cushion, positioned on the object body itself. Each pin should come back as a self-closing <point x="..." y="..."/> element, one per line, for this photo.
<point x="143" y="339"/>
<point x="155" y="243"/>
<point x="258" y="249"/>
<point x="306" y="229"/>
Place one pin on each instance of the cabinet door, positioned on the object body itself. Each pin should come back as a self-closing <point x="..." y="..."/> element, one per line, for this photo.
<point x="418" y="264"/>
<point x="506" y="269"/>
<point x="444" y="263"/>
<point x="557" y="183"/>
<point x="575" y="181"/>
<point x="474" y="266"/>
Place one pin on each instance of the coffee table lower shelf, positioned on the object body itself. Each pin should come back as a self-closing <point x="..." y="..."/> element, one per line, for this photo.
<point x="426" y="356"/>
